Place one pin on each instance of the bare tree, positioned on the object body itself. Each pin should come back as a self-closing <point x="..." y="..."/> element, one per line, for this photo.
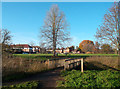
<point x="97" y="47"/>
<point x="108" y="31"/>
<point x="54" y="32"/>
<point x="42" y="48"/>
<point x="5" y="36"/>
<point x="5" y="41"/>
<point x="32" y="43"/>
<point x="106" y="48"/>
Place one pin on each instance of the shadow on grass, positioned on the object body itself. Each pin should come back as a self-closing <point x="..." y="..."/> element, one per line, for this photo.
<point x="95" y="66"/>
<point x="21" y="75"/>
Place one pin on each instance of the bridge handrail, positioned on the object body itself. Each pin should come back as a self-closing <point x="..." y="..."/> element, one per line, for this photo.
<point x="72" y="59"/>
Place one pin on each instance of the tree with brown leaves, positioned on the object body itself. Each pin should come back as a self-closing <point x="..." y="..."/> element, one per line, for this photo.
<point x="87" y="46"/>
<point x="54" y="32"/>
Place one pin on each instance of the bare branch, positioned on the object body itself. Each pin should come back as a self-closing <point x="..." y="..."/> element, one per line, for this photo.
<point x="108" y="30"/>
<point x="54" y="32"/>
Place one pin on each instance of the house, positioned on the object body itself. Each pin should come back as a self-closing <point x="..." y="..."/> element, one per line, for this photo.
<point x="35" y="49"/>
<point x="20" y="48"/>
<point x="77" y="51"/>
<point x="59" y="51"/>
<point x="49" y="50"/>
<point x="62" y="50"/>
<point x="68" y="49"/>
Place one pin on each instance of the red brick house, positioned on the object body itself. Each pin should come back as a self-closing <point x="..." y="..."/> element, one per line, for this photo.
<point x="22" y="47"/>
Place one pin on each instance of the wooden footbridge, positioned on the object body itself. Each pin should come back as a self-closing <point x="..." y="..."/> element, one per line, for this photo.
<point x="68" y="63"/>
<point x="73" y="63"/>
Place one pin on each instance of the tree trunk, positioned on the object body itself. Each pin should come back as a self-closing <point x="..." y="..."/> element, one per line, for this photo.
<point x="54" y="36"/>
<point x="54" y="41"/>
<point x="54" y="48"/>
<point x="115" y="51"/>
<point x="119" y="49"/>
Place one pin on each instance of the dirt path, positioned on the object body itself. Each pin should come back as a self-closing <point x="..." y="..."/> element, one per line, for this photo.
<point x="47" y="79"/>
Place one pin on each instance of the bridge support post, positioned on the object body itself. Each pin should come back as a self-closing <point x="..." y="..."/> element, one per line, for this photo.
<point x="77" y="63"/>
<point x="64" y="66"/>
<point x="82" y="65"/>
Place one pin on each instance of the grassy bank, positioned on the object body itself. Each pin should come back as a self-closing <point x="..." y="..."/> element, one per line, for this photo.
<point x="90" y="79"/>
<point x="99" y="72"/>
<point x="17" y="67"/>
<point x="101" y="63"/>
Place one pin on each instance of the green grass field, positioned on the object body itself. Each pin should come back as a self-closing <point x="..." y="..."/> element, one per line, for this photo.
<point x="65" y="55"/>
<point x="50" y="56"/>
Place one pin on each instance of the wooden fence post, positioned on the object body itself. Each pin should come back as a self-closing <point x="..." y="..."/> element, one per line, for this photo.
<point x="48" y="63"/>
<point x="64" y="65"/>
<point x="82" y="65"/>
<point x="77" y="63"/>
